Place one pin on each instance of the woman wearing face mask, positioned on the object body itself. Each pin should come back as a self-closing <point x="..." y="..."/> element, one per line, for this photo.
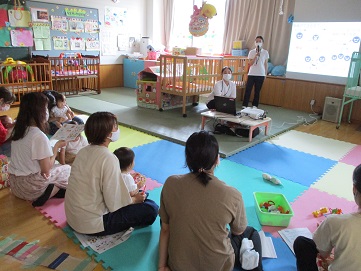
<point x="33" y="175"/>
<point x="97" y="201"/>
<point x="258" y="61"/>
<point x="6" y="99"/>
<point x="224" y="88"/>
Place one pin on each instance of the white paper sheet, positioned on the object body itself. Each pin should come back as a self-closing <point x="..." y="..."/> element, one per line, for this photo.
<point x="268" y="249"/>
<point x="101" y="244"/>
<point x="290" y="235"/>
<point x="68" y="132"/>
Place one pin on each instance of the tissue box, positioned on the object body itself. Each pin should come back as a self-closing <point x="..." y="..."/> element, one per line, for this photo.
<point x="272" y="219"/>
<point x="239" y="52"/>
<point x="193" y="51"/>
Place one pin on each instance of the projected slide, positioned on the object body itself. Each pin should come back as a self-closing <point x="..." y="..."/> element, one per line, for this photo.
<point x="321" y="48"/>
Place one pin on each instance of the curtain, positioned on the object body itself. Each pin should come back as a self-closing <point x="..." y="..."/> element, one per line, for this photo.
<point x="168" y="20"/>
<point x="246" y="19"/>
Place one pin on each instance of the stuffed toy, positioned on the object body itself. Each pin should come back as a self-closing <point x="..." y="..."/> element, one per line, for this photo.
<point x="198" y="25"/>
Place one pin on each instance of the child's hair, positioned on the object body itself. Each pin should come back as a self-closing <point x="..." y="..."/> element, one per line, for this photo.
<point x="59" y="98"/>
<point x="125" y="156"/>
<point x="356" y="177"/>
<point x="7" y="96"/>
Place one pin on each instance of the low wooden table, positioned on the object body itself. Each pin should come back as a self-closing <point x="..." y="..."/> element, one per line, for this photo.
<point x="245" y="120"/>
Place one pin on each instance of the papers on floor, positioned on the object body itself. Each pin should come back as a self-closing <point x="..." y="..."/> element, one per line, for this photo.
<point x="103" y="243"/>
<point x="68" y="132"/>
<point x="290" y="235"/>
<point x="268" y="249"/>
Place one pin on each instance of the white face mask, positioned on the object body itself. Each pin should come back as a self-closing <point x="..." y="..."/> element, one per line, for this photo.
<point x="227" y="76"/>
<point x="46" y="115"/>
<point x="115" y="135"/>
<point x="259" y="44"/>
<point x="5" y="107"/>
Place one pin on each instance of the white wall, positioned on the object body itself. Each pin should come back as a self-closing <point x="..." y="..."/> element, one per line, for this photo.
<point x="136" y="20"/>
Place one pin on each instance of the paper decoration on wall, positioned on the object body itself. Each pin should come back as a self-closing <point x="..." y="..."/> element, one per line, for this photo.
<point x="114" y="16"/>
<point x="75" y="12"/>
<point x="41" y="30"/>
<point x="198" y="26"/>
<point x="42" y="44"/>
<point x="91" y="26"/>
<point x="39" y="14"/>
<point x="19" y="18"/>
<point x="3" y="17"/>
<point x="92" y="45"/>
<point x="61" y="43"/>
<point x="59" y="23"/>
<point x="108" y="42"/>
<point x="77" y="44"/>
<point x="4" y="37"/>
<point x="76" y="25"/>
<point x="21" y="37"/>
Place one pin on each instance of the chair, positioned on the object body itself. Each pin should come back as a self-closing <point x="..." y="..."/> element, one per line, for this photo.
<point x="353" y="88"/>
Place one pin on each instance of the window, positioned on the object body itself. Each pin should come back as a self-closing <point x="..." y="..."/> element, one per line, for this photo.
<point x="211" y="42"/>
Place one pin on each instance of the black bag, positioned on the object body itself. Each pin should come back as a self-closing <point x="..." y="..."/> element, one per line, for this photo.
<point x="223" y="129"/>
<point x="244" y="132"/>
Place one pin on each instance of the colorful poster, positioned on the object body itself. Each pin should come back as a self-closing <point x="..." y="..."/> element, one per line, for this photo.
<point x="77" y="44"/>
<point x="76" y="25"/>
<point x="19" y="18"/>
<point x="3" y="17"/>
<point x="92" y="45"/>
<point x="39" y="14"/>
<point x="91" y="26"/>
<point x="114" y="16"/>
<point x="22" y="37"/>
<point x="41" y="31"/>
<point x="59" y="23"/>
<point x="5" y="37"/>
<point x="61" y="43"/>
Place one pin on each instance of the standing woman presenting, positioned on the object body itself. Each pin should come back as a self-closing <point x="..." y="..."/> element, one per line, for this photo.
<point x="257" y="72"/>
<point x="224" y="88"/>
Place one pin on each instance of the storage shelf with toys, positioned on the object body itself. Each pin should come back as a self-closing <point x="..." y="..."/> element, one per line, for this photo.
<point x="73" y="73"/>
<point x="25" y="77"/>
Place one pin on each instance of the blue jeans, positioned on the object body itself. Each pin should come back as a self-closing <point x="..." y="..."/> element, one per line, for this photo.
<point x="6" y="148"/>
<point x="133" y="215"/>
<point x="257" y="81"/>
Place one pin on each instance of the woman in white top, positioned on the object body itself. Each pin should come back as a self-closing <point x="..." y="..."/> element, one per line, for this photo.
<point x="340" y="233"/>
<point x="33" y="175"/>
<point x="258" y="61"/>
<point x="97" y="201"/>
<point x="224" y="88"/>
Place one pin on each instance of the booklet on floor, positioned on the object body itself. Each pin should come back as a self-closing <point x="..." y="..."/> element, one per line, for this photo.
<point x="290" y="235"/>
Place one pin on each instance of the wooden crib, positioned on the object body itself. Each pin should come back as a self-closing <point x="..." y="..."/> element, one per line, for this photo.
<point x="25" y="78"/>
<point x="190" y="77"/>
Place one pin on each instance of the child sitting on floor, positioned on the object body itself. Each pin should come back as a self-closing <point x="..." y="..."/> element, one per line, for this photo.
<point x="126" y="162"/>
<point x="68" y="153"/>
<point x="61" y="113"/>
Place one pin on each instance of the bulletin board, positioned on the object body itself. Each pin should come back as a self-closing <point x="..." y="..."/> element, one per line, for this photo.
<point x="64" y="29"/>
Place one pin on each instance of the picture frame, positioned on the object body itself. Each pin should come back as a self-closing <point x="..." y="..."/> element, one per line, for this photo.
<point x="39" y="15"/>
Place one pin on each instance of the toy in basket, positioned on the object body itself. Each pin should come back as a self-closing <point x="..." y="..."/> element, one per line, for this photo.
<point x="4" y="175"/>
<point x="272" y="209"/>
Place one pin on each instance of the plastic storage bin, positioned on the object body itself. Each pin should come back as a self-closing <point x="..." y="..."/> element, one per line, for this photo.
<point x="272" y="219"/>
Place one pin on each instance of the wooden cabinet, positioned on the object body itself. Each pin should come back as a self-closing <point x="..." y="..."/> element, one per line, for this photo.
<point x="273" y="91"/>
<point x="131" y="68"/>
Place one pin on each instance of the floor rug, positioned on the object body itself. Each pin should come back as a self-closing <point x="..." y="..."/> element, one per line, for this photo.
<point x="338" y="181"/>
<point x="160" y="159"/>
<point x="283" y="162"/>
<point x="353" y="157"/>
<point x="313" y="144"/>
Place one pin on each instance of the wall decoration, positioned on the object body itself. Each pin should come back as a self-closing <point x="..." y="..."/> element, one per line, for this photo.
<point x="75" y="12"/>
<point x="59" y="23"/>
<point x="22" y="37"/>
<point x="42" y="44"/>
<point x="77" y="44"/>
<point x="61" y="43"/>
<point x="5" y="37"/>
<point x="76" y="25"/>
<point x="3" y="17"/>
<point x="19" y="18"/>
<point x="91" y="26"/>
<point x="114" y="16"/>
<point x="39" y="14"/>
<point x="92" y="45"/>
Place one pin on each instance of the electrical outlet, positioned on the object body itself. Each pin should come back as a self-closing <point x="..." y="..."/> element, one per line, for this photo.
<point x="312" y="102"/>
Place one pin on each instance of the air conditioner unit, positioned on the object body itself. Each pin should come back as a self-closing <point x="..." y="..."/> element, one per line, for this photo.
<point x="331" y="109"/>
